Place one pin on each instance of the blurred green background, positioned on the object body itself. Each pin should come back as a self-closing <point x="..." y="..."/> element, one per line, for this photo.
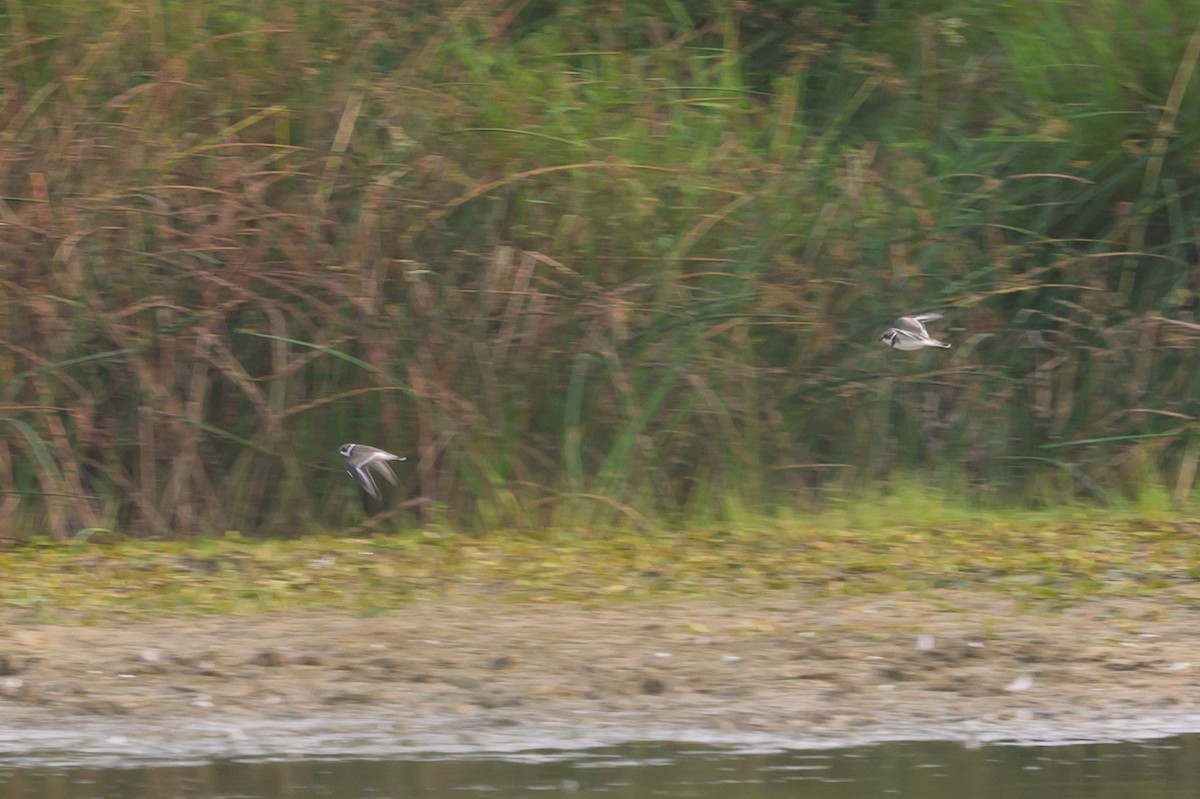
<point x="590" y="263"/>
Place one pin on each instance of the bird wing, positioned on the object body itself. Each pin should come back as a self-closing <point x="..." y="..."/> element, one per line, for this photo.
<point x="359" y="472"/>
<point x="910" y="335"/>
<point x="922" y="318"/>
<point x="912" y="325"/>
<point x="378" y="462"/>
<point x="381" y="466"/>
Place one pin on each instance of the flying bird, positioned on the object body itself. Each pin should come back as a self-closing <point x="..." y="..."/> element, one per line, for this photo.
<point x="910" y="333"/>
<point x="361" y="459"/>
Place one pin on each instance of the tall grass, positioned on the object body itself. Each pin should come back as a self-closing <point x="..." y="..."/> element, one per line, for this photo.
<point x="587" y="266"/>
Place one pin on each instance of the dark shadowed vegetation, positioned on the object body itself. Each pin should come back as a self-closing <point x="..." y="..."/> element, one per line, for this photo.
<point x="590" y="263"/>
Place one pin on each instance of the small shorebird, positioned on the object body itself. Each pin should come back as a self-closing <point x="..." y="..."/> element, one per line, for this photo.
<point x="910" y="333"/>
<point x="361" y="459"/>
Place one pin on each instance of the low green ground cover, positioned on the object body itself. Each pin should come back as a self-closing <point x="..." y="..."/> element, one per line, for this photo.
<point x="884" y="545"/>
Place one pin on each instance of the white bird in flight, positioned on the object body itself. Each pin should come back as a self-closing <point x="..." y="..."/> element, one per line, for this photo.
<point x="910" y="333"/>
<point x="361" y="459"/>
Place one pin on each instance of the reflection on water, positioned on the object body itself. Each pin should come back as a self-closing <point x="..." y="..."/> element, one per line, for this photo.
<point x="1149" y="770"/>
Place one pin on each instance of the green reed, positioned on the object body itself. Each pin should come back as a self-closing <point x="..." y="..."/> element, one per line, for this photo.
<point x="585" y="268"/>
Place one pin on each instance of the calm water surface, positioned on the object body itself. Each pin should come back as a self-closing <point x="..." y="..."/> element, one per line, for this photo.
<point x="1160" y="769"/>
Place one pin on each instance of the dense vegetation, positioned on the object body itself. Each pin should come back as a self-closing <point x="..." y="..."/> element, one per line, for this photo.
<point x="590" y="262"/>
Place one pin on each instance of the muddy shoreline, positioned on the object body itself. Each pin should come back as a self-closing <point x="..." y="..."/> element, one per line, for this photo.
<point x="470" y="677"/>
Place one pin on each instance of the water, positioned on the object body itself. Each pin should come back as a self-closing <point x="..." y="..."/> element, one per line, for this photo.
<point x="1161" y="769"/>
